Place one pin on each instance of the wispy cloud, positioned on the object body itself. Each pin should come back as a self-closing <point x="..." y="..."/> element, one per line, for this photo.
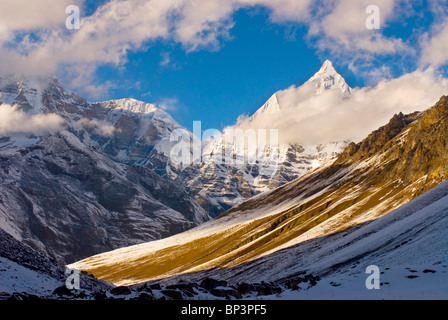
<point x="166" y="59"/>
<point x="435" y="45"/>
<point x="168" y="104"/>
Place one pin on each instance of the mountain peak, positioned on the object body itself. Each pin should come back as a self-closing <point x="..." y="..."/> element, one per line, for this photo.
<point x="327" y="67"/>
<point x="270" y="107"/>
<point x="328" y="78"/>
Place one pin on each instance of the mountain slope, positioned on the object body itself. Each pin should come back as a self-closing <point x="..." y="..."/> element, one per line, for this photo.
<point x="409" y="246"/>
<point x="414" y="234"/>
<point x="69" y="201"/>
<point x="66" y="194"/>
<point x="392" y="166"/>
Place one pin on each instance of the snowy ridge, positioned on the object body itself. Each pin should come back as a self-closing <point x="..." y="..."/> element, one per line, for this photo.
<point x="105" y="148"/>
<point x="271" y="106"/>
<point x="134" y="106"/>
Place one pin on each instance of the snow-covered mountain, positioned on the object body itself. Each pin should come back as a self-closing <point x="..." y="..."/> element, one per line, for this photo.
<point x="326" y="79"/>
<point x="63" y="194"/>
<point x="116" y="147"/>
<point x="91" y="186"/>
<point x="332" y="211"/>
<point x="69" y="201"/>
<point x="138" y="133"/>
<point x="225" y="185"/>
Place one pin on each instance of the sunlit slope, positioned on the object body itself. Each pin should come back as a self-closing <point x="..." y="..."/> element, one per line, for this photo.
<point x="392" y="166"/>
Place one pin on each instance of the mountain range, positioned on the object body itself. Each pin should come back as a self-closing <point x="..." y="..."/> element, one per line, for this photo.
<point x="304" y="225"/>
<point x="66" y="194"/>
<point x="106" y="176"/>
<point x="98" y="191"/>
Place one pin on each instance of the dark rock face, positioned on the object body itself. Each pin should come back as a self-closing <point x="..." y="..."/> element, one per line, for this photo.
<point x="244" y="288"/>
<point x="62" y="291"/>
<point x="100" y="296"/>
<point x="144" y="297"/>
<point x="173" y="294"/>
<point x="187" y="288"/>
<point x="70" y="195"/>
<point x="71" y="202"/>
<point x="226" y="293"/>
<point x="155" y="286"/>
<point x="378" y="138"/>
<point x="121" y="291"/>
<point x="265" y="289"/>
<point x="219" y="289"/>
<point x="209" y="284"/>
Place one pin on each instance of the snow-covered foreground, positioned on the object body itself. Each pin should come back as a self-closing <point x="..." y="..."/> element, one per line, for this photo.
<point x="408" y="245"/>
<point x="16" y="278"/>
<point x="397" y="283"/>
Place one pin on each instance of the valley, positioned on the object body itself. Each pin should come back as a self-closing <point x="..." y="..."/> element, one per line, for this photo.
<point x="102" y="195"/>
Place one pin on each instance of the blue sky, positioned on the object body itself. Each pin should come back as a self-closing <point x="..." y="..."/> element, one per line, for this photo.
<point x="216" y="86"/>
<point x="213" y="60"/>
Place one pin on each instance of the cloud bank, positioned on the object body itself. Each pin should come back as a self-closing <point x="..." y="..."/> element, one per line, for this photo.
<point x="330" y="117"/>
<point x="13" y="120"/>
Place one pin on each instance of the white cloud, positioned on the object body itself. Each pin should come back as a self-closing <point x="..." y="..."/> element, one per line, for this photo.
<point x="26" y="15"/>
<point x="168" y="104"/>
<point x="284" y="10"/>
<point x="341" y="31"/>
<point x="435" y="46"/>
<point x="13" y="120"/>
<point x="329" y="117"/>
<point x="166" y="59"/>
<point x="116" y="28"/>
